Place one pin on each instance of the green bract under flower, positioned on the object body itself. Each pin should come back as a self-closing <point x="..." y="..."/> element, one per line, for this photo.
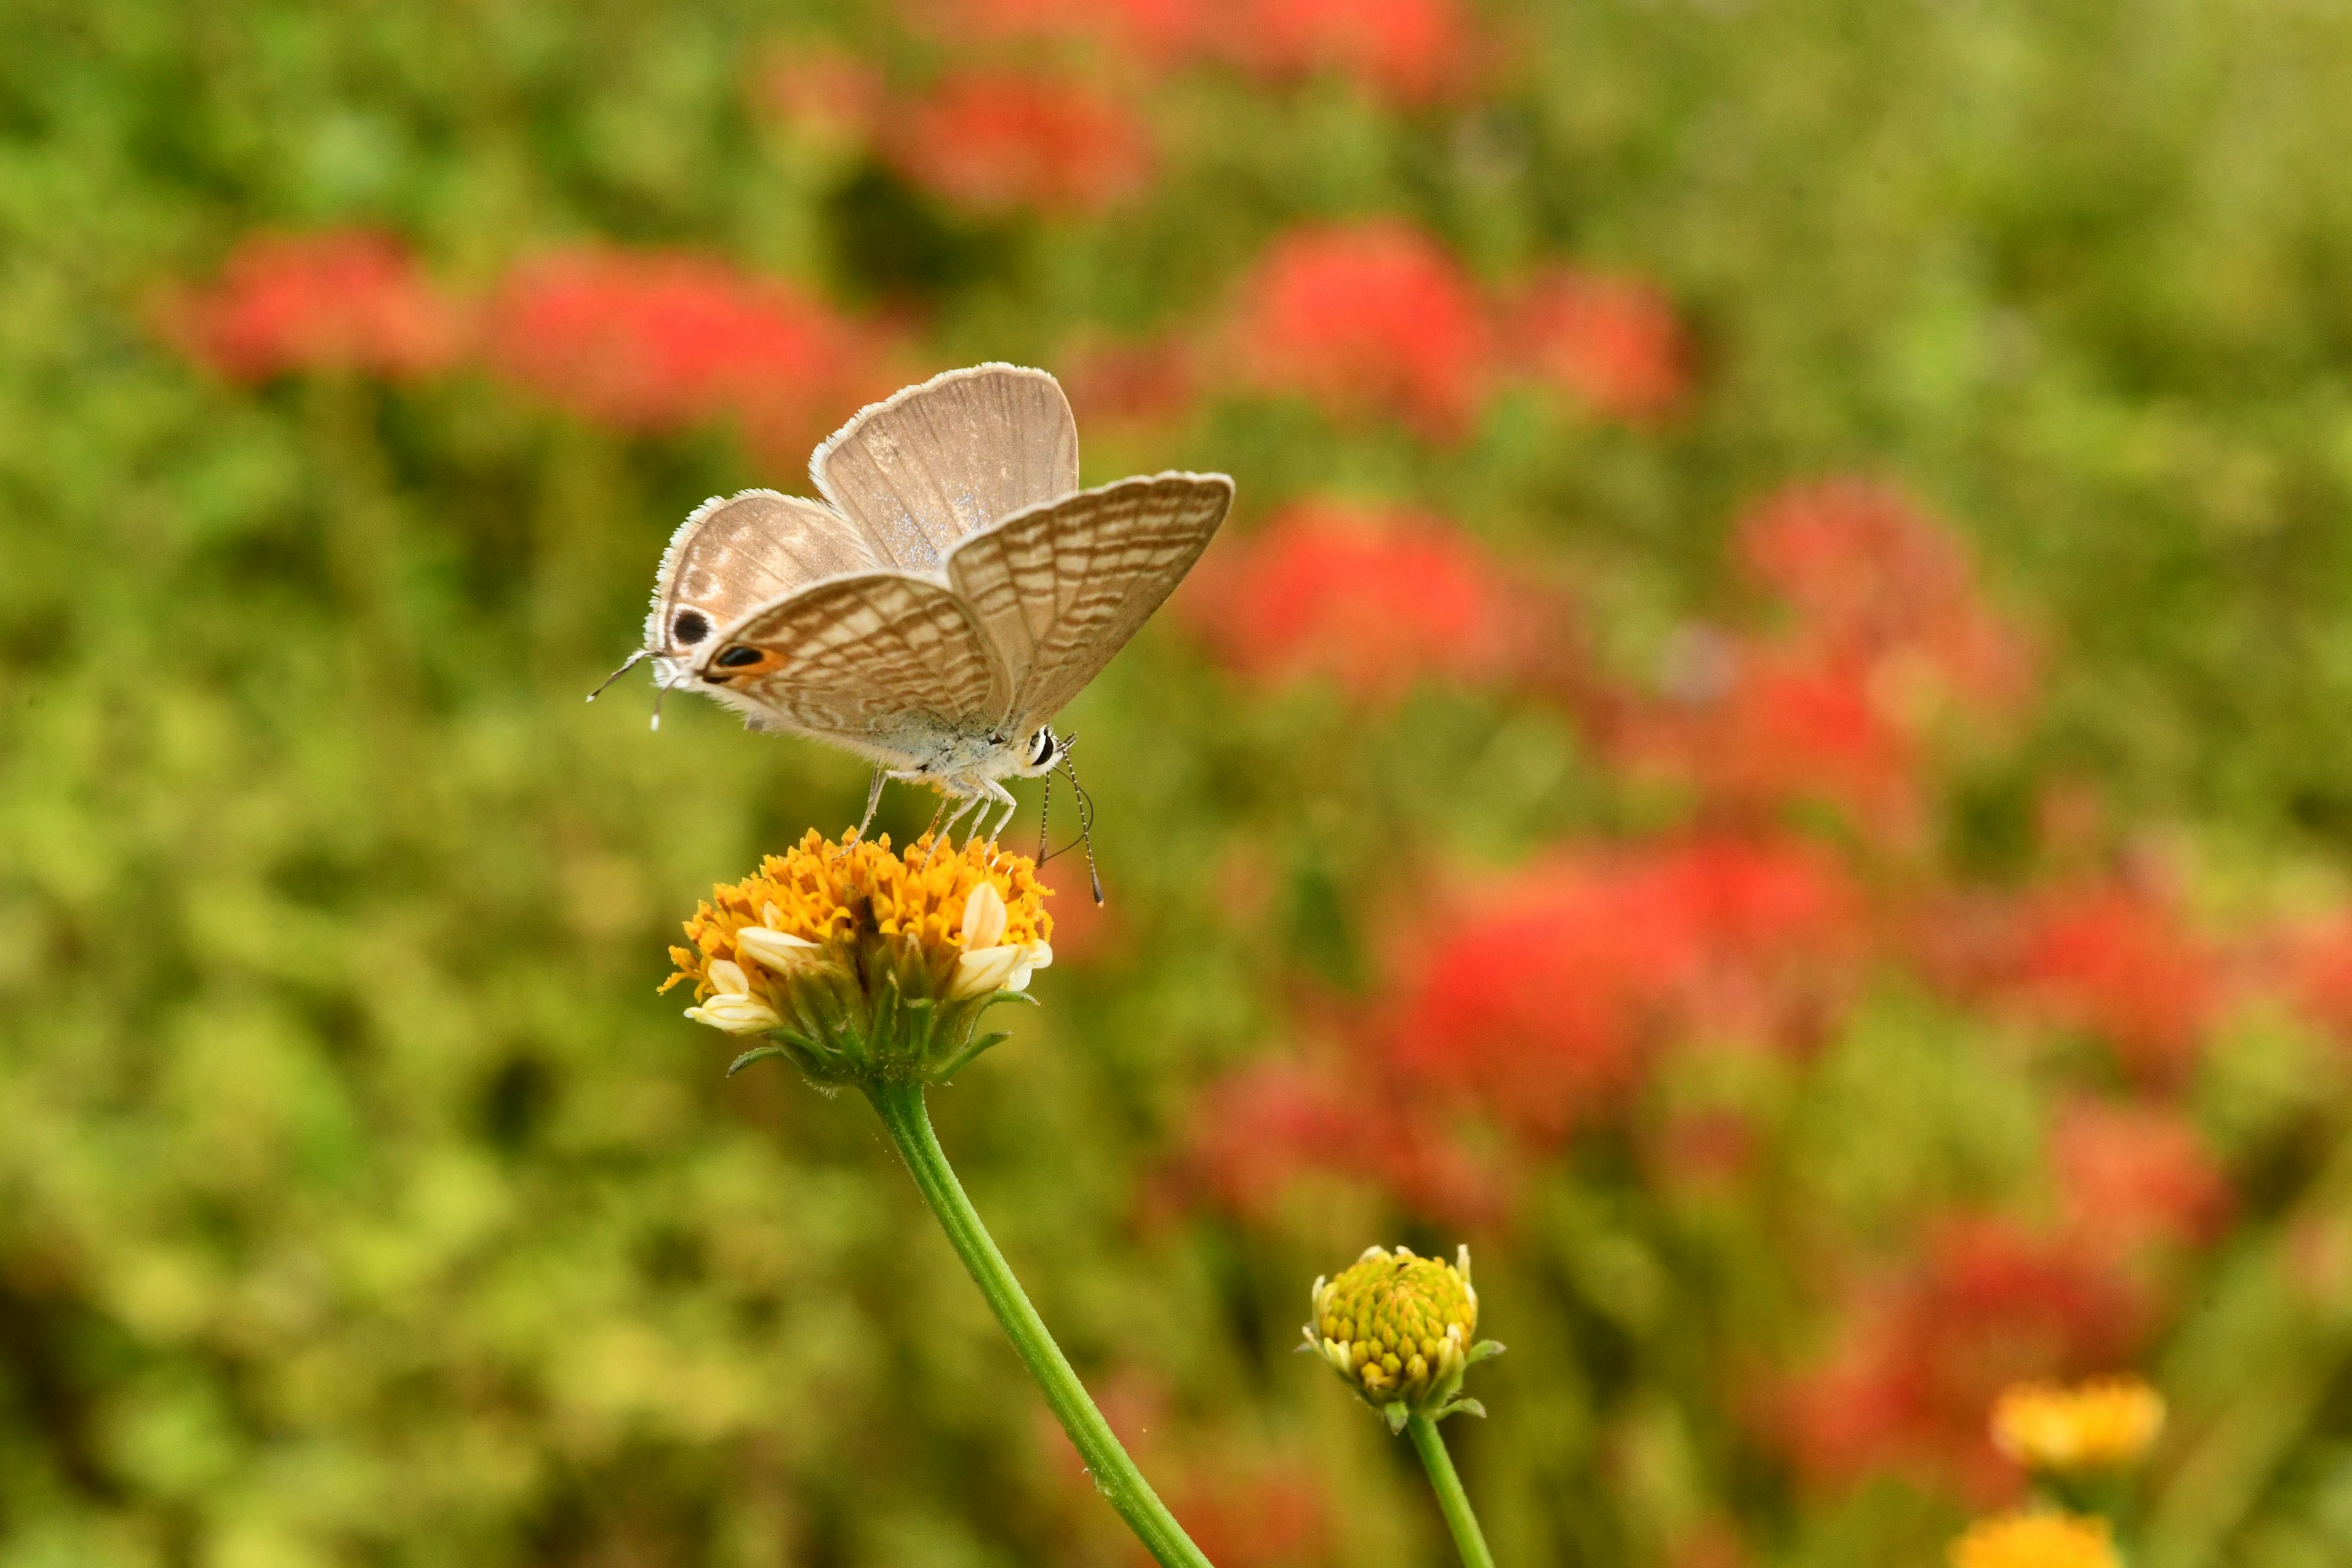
<point x="1402" y="1331"/>
<point x="861" y="964"/>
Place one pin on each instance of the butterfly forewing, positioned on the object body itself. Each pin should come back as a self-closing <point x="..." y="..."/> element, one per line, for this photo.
<point x="885" y="663"/>
<point x="939" y="461"/>
<point x="731" y="556"/>
<point x="1061" y="588"/>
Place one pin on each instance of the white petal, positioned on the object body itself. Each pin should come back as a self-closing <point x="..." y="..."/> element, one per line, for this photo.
<point x="978" y="974"/>
<point x="729" y="978"/>
<point x="774" y="950"/>
<point x="738" y="1014"/>
<point x="983" y="918"/>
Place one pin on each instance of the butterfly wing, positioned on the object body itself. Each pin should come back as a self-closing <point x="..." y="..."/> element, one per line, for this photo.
<point x="891" y="667"/>
<point x="729" y="557"/>
<point x="1061" y="587"/>
<point x="937" y="462"/>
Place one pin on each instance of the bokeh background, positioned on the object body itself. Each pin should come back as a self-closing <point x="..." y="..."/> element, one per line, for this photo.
<point x="1770" y="743"/>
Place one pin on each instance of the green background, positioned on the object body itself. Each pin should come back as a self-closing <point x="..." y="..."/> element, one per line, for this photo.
<point x="360" y="1202"/>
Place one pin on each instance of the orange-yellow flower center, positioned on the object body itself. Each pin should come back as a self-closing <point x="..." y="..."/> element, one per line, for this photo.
<point x="834" y="895"/>
<point x="2036" y="1540"/>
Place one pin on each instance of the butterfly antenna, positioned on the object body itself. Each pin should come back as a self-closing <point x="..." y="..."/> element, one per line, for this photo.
<point x="1085" y="824"/>
<point x="1045" y="815"/>
<point x="628" y="665"/>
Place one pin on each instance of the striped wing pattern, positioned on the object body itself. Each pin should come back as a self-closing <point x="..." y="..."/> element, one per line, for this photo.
<point x="1060" y="588"/>
<point x="873" y="660"/>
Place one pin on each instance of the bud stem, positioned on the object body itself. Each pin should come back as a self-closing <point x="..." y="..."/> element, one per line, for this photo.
<point x="901" y="1105"/>
<point x="1451" y="1500"/>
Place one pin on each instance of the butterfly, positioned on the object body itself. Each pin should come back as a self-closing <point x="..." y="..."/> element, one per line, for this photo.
<point x="951" y="594"/>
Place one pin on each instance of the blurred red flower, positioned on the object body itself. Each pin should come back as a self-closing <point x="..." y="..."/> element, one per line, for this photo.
<point x="1779" y="931"/>
<point x="343" y="300"/>
<point x="1615" y="344"/>
<point x="1870" y="577"/>
<point x="2320" y="975"/>
<point x="1373" y="320"/>
<point x="1925" y="1354"/>
<point x="1374" y="598"/>
<point x="1544" y="993"/>
<point x="1541" y="993"/>
<point x="999" y="139"/>
<point x="1781" y="729"/>
<point x="2118" y="963"/>
<point x="1261" y="1130"/>
<point x="2132" y="1174"/>
<point x="658" y="342"/>
<point x="1887" y="637"/>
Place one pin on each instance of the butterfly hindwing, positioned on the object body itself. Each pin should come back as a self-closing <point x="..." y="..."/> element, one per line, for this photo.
<point x="731" y="556"/>
<point x="937" y="462"/>
<point x="1060" y="588"/>
<point x="883" y="663"/>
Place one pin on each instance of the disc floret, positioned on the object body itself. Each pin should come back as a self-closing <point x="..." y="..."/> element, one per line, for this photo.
<point x="1402" y="1329"/>
<point x="861" y="964"/>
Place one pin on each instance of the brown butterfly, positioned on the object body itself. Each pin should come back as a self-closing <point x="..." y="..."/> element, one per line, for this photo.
<point x="952" y="591"/>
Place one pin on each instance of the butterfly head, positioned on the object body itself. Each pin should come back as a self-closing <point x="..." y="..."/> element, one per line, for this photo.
<point x="1041" y="754"/>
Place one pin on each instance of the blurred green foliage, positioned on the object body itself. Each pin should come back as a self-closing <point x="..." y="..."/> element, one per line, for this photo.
<point x="360" y="1204"/>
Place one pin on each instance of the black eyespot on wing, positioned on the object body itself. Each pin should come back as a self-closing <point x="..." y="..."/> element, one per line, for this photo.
<point x="690" y="627"/>
<point x="736" y="658"/>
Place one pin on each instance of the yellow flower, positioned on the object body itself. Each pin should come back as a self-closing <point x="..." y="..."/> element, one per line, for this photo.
<point x="1400" y="1330"/>
<point x="2100" y="1425"/>
<point x="2036" y="1540"/>
<point x="857" y="962"/>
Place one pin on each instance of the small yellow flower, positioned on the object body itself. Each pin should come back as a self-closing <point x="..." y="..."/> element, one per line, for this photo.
<point x="2100" y="1425"/>
<point x="1402" y="1331"/>
<point x="857" y="962"/>
<point x="2036" y="1540"/>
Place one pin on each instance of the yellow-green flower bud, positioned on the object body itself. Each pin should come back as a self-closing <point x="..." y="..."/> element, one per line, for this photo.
<point x="1402" y="1329"/>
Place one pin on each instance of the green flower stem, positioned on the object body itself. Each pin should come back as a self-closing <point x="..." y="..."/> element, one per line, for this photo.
<point x="1450" y="1498"/>
<point x="900" y="1104"/>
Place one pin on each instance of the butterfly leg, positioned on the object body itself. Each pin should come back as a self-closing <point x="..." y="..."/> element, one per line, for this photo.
<point x="873" y="801"/>
<point x="932" y="831"/>
<point x="945" y="832"/>
<point x="1003" y="796"/>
